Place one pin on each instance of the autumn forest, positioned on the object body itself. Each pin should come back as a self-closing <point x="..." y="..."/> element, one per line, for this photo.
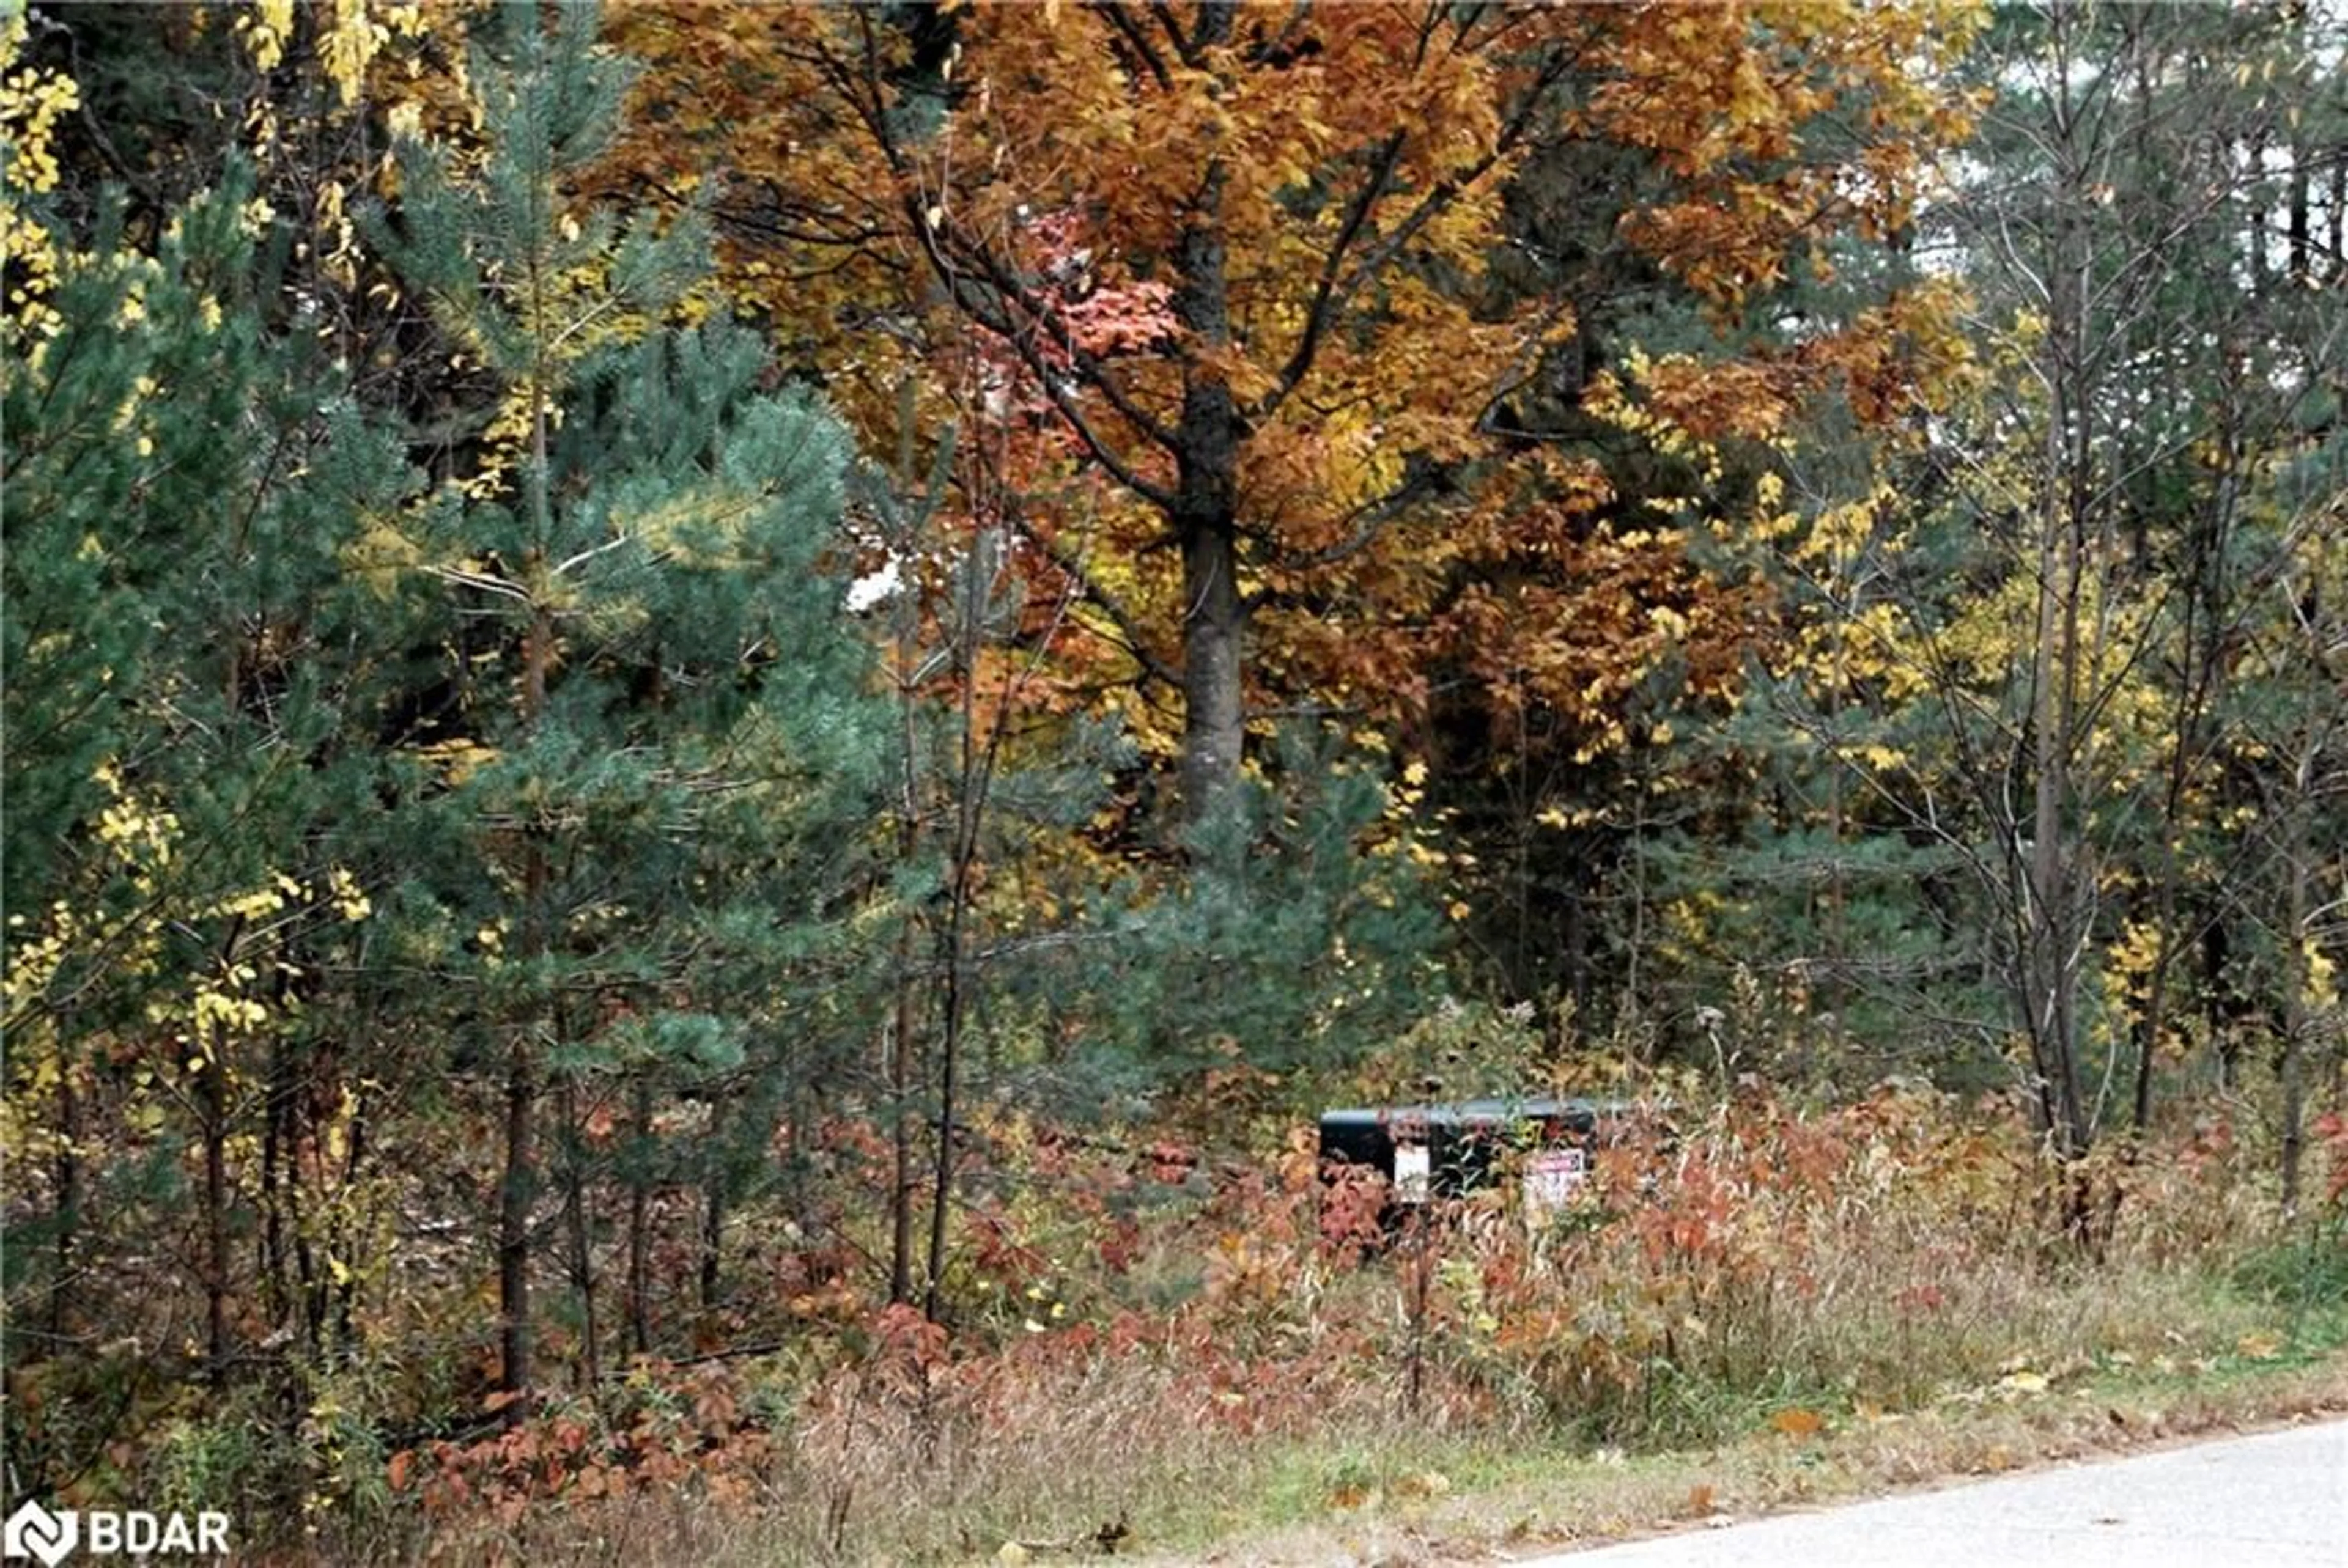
<point x="721" y="717"/>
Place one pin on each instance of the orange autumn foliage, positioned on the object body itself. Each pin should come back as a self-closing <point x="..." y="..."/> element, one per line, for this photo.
<point x="1211" y="286"/>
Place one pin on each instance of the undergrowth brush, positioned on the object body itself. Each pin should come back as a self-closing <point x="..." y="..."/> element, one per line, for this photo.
<point x="1168" y="1347"/>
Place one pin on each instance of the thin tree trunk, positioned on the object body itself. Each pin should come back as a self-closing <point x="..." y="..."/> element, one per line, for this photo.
<point x="513" y="1227"/>
<point x="969" y="807"/>
<point x="63" y="1297"/>
<point x="1838" y="893"/>
<point x="279" y="1176"/>
<point x="899" y="1033"/>
<point x="578" y="1233"/>
<point x="714" y="1209"/>
<point x="948" y="1090"/>
<point x="347" y="1288"/>
<point x="898" y="1037"/>
<point x="2292" y="1069"/>
<point x="2201" y="638"/>
<point x="2301" y="268"/>
<point x="2257" y="224"/>
<point x="2056" y="659"/>
<point x="640" y="1232"/>
<point x="2335" y="223"/>
<point x="981" y="571"/>
<point x="518" y="1186"/>
<point x="900" y="1134"/>
<point x="212" y="1095"/>
<point x="2048" y="968"/>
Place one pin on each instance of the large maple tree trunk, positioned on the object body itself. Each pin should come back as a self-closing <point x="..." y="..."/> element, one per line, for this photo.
<point x="1213" y="633"/>
<point x="1206" y="500"/>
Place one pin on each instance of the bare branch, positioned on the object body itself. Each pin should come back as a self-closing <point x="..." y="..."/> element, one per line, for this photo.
<point x="1132" y="33"/>
<point x="1317" y="317"/>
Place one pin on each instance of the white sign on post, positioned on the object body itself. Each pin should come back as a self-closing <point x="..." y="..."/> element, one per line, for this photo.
<point x="1414" y="1164"/>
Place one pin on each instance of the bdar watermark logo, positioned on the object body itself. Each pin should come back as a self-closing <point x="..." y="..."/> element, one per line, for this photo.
<point x="51" y="1536"/>
<point x="34" y="1532"/>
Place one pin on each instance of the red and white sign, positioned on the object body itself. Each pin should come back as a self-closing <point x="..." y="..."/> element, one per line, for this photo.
<point x="1550" y="1176"/>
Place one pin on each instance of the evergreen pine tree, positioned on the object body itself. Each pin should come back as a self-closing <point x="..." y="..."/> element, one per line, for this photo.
<point x="183" y="656"/>
<point x="664" y="745"/>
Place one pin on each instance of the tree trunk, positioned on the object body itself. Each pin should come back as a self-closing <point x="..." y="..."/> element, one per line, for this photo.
<point x="346" y="1235"/>
<point x="277" y="1143"/>
<point x="1206" y="500"/>
<point x="518" y="1185"/>
<point x="579" y="1234"/>
<point x="2051" y="968"/>
<point x="1213" y="681"/>
<point x="2291" y="1067"/>
<point x="2302" y="271"/>
<point x="970" y="807"/>
<point x="639" y="1241"/>
<point x="715" y="1208"/>
<point x="897" y="1037"/>
<point x="212" y="1095"/>
<point x="513" y="1227"/>
<point x="2049" y="965"/>
<point x="2201" y="638"/>
<point x="62" y="1293"/>
<point x="2335" y="223"/>
<point x="901" y="1135"/>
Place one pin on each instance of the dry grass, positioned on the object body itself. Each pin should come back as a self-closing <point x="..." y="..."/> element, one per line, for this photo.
<point x="1098" y="1450"/>
<point x="1550" y="1500"/>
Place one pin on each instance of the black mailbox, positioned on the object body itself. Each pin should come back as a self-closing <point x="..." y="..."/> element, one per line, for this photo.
<point x="1449" y="1151"/>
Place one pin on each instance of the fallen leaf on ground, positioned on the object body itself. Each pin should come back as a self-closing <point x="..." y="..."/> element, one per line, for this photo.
<point x="1799" y="1422"/>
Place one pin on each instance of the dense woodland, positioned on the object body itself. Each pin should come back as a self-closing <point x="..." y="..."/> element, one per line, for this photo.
<point x="720" y="716"/>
